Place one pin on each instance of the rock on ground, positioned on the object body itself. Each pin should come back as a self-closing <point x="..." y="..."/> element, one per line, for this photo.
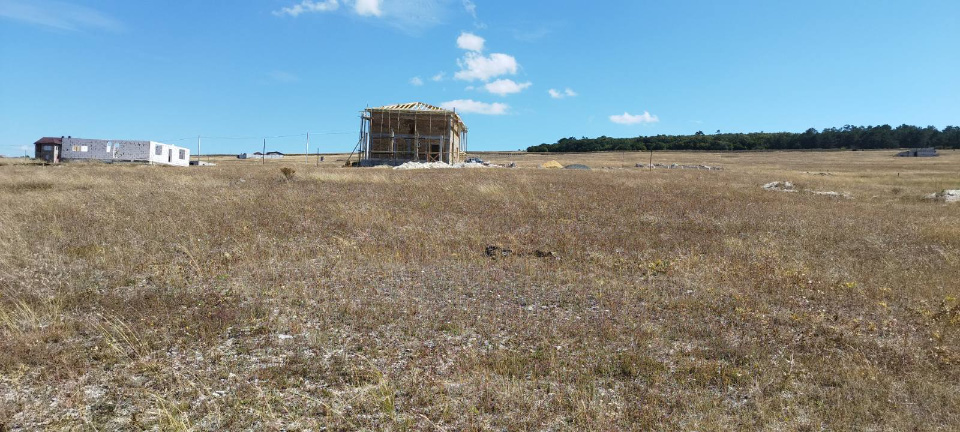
<point x="947" y="195"/>
<point x="784" y="186"/>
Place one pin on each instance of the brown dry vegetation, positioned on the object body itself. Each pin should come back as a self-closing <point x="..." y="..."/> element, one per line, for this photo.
<point x="232" y="297"/>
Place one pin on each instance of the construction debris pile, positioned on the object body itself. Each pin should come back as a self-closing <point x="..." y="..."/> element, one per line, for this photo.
<point x="785" y="186"/>
<point x="832" y="194"/>
<point x="782" y="186"/>
<point x="946" y="195"/>
<point x="557" y="165"/>
<point x="440" y="165"/>
<point x="552" y="165"/>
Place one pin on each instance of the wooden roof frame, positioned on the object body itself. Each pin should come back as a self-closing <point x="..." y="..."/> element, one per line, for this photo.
<point x="419" y="107"/>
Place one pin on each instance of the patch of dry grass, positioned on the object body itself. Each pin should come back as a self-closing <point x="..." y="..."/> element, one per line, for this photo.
<point x="236" y="297"/>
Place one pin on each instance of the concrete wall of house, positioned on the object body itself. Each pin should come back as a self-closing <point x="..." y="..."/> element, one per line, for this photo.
<point x="106" y="150"/>
<point x="132" y="151"/>
<point x="124" y="151"/>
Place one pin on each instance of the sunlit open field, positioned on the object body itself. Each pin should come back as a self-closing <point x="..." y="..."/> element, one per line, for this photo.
<point x="619" y="298"/>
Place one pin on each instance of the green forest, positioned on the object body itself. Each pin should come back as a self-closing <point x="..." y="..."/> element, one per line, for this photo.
<point x="847" y="137"/>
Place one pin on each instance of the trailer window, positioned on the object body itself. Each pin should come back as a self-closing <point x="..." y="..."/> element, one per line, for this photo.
<point x="159" y="151"/>
<point x="183" y="154"/>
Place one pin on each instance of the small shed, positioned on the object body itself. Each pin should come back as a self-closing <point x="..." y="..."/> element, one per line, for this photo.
<point x="921" y="152"/>
<point x="396" y="134"/>
<point x="48" y="149"/>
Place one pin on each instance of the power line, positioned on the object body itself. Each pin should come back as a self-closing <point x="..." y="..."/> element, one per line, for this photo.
<point x="257" y="137"/>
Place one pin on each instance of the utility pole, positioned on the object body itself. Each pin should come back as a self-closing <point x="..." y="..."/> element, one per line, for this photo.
<point x="318" y="157"/>
<point x="306" y="150"/>
<point x="263" y="154"/>
<point x="198" y="150"/>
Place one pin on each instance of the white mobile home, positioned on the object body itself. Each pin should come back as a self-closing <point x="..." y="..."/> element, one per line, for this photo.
<point x="151" y="152"/>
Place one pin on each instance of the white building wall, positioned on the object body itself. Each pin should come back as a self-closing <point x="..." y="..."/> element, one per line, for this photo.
<point x="167" y="154"/>
<point x="124" y="151"/>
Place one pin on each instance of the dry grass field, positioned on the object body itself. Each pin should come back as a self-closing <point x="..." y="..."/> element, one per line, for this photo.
<point x="232" y="298"/>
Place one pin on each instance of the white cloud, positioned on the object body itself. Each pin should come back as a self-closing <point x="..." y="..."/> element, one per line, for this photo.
<point x="414" y="16"/>
<point x="470" y="42"/>
<point x="472" y="106"/>
<point x="58" y="15"/>
<point x="470" y="7"/>
<point x="438" y="77"/>
<point x="368" y="8"/>
<point x="558" y="94"/>
<point x="408" y="16"/>
<point x="308" y="6"/>
<point x="629" y="119"/>
<point x="416" y="81"/>
<point x="505" y="87"/>
<point x="475" y="66"/>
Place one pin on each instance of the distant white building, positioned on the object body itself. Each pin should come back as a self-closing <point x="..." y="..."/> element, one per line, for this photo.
<point x="259" y="155"/>
<point x="56" y="149"/>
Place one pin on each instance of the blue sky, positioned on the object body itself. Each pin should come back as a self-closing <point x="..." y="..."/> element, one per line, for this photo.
<point x="521" y="73"/>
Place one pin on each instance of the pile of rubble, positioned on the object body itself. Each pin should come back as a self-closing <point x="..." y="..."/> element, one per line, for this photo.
<point x="832" y="194"/>
<point x="785" y="186"/>
<point x="782" y="186"/>
<point x="552" y="165"/>
<point x="946" y="195"/>
<point x="439" y="165"/>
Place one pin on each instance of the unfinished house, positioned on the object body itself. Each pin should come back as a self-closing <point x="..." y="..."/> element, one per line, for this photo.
<point x="395" y="134"/>
<point x="54" y="150"/>
<point x="920" y="152"/>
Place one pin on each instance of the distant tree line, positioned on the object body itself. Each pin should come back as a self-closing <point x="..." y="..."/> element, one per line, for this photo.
<point x="847" y="137"/>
